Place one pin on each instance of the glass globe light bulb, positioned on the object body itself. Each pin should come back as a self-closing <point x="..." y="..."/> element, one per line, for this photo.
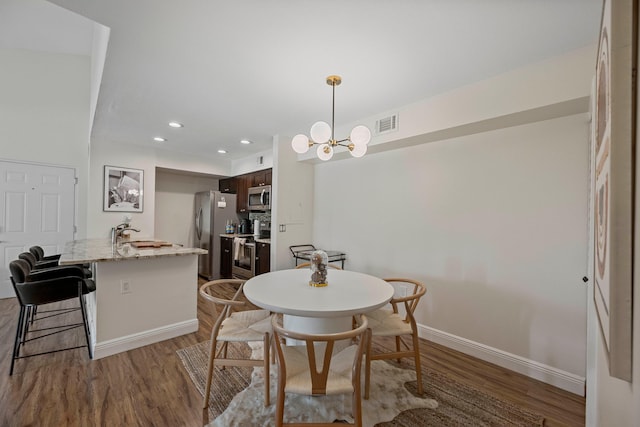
<point x="358" y="150"/>
<point x="325" y="152"/>
<point x="320" y="132"/>
<point x="300" y="144"/>
<point x="360" y="135"/>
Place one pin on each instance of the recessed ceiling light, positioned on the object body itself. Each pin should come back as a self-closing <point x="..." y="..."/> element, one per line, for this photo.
<point x="222" y="151"/>
<point x="245" y="141"/>
<point x="159" y="139"/>
<point x="176" y="125"/>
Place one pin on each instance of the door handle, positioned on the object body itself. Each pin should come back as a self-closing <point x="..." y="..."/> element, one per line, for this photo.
<point x="199" y="224"/>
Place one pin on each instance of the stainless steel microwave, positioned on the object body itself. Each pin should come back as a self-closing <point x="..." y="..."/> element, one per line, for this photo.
<point x="259" y="198"/>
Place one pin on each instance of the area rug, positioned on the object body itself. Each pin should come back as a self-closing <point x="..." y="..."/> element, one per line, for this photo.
<point x="237" y="398"/>
<point x="388" y="396"/>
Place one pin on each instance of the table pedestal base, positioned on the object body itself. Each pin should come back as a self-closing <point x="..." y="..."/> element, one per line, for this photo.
<point x="317" y="325"/>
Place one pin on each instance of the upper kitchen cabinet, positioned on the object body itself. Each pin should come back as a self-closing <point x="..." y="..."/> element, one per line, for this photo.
<point x="242" y="186"/>
<point x="228" y="185"/>
<point x="260" y="178"/>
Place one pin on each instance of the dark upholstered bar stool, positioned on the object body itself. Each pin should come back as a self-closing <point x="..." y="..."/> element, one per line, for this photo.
<point x="38" y="252"/>
<point x="45" y="287"/>
<point x="35" y="265"/>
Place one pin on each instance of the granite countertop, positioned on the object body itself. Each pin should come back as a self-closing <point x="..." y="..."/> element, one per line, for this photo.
<point x="259" y="240"/>
<point x="100" y="250"/>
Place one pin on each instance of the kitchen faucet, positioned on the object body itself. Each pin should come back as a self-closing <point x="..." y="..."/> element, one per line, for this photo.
<point x="116" y="232"/>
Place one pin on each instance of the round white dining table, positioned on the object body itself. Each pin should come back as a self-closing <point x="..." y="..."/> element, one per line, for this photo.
<point x="318" y="309"/>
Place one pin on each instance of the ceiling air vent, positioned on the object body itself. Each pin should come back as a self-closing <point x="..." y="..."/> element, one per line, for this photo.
<point x="387" y="124"/>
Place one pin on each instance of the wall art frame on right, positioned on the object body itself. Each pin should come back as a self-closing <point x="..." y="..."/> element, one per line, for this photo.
<point x="613" y="162"/>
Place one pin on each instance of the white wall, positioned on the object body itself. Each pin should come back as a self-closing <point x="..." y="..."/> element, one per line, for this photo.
<point x="174" y="209"/>
<point x="44" y="113"/>
<point x="558" y="86"/>
<point x="137" y="157"/>
<point x="252" y="163"/>
<point x="482" y="193"/>
<point x="493" y="223"/>
<point x="127" y="156"/>
<point x="292" y="184"/>
<point x="98" y="56"/>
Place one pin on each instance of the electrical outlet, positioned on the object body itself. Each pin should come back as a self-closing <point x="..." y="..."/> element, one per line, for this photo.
<point x="125" y="286"/>
<point x="283" y="228"/>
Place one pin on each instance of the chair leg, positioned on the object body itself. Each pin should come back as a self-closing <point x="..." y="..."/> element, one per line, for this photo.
<point x="18" y="339"/>
<point x="24" y="327"/>
<point x="399" y="359"/>
<point x="280" y="403"/>
<point x="357" y="408"/>
<point x="84" y="320"/>
<point x="367" y="365"/>
<point x="265" y="356"/>
<point x="84" y="298"/>
<point x="416" y="358"/>
<point x="357" y="398"/>
<point x="28" y="316"/>
<point x="212" y="355"/>
<point x="223" y="351"/>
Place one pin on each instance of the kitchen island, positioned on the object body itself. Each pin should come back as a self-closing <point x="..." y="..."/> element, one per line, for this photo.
<point x="143" y="295"/>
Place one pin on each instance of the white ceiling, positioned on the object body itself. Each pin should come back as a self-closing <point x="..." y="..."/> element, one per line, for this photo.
<point x="252" y="69"/>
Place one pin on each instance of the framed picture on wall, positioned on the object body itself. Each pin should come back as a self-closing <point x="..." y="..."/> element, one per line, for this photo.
<point x="612" y="157"/>
<point x="123" y="189"/>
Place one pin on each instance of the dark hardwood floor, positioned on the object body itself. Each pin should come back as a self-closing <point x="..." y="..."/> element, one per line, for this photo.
<point x="149" y="387"/>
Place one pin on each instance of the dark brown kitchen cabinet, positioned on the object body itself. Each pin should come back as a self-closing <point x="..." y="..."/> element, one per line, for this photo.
<point x="226" y="257"/>
<point x="240" y="185"/>
<point x="263" y="258"/>
<point x="227" y="185"/>
<point x="261" y="178"/>
<point x="242" y="188"/>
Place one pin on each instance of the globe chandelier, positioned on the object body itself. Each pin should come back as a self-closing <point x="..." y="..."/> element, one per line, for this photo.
<point x="323" y="135"/>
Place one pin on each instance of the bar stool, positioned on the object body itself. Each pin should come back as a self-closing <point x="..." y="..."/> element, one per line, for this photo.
<point x="45" y="287"/>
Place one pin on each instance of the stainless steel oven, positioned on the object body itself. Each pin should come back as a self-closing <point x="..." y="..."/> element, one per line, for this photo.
<point x="244" y="259"/>
<point x="259" y="198"/>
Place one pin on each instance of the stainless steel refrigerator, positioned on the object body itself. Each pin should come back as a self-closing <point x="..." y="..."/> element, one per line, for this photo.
<point x="212" y="211"/>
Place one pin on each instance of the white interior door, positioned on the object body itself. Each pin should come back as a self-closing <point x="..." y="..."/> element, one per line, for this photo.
<point x="37" y="207"/>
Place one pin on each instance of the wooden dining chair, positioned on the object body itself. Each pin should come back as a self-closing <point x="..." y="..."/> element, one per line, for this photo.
<point x="308" y="265"/>
<point x="313" y="369"/>
<point x="386" y="322"/>
<point x="235" y="325"/>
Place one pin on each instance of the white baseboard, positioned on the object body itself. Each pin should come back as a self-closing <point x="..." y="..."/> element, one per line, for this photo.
<point x="129" y="342"/>
<point x="556" y="377"/>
